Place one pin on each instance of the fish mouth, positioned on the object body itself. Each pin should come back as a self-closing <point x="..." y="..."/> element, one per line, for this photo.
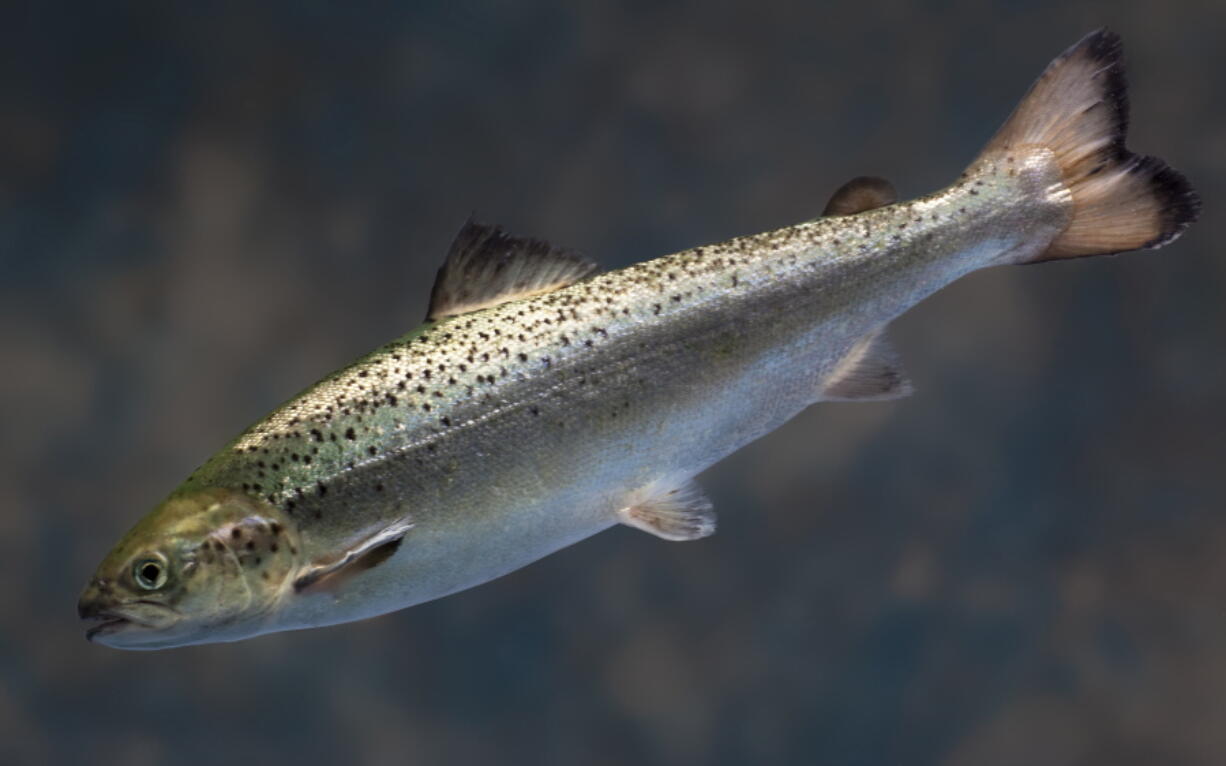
<point x="108" y="624"/>
<point x="129" y="620"/>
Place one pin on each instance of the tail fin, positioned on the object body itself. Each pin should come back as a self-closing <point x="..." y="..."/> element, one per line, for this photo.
<point x="1078" y="109"/>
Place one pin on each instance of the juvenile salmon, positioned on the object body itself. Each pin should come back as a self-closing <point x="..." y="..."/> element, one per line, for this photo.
<point x="541" y="403"/>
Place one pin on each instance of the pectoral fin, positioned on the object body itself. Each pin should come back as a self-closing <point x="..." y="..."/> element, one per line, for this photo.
<point x="670" y="509"/>
<point x="871" y="370"/>
<point x="366" y="554"/>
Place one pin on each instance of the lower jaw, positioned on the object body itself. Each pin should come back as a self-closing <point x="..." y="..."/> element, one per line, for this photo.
<point x="111" y="626"/>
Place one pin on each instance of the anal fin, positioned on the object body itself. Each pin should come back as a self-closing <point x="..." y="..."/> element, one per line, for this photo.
<point x="366" y="554"/>
<point x="870" y="371"/>
<point x="671" y="510"/>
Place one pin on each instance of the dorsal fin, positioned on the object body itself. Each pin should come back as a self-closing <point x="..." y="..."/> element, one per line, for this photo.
<point x="486" y="267"/>
<point x="870" y="371"/>
<point x="859" y="194"/>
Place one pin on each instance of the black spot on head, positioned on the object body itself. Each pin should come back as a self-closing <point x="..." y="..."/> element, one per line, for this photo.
<point x="371" y="450"/>
<point x="250" y="545"/>
<point x="349" y="434"/>
<point x="236" y="533"/>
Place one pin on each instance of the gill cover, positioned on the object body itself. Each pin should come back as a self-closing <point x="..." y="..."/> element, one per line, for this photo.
<point x="211" y="565"/>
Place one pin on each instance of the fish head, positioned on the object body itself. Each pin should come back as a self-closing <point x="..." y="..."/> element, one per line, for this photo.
<point x="210" y="565"/>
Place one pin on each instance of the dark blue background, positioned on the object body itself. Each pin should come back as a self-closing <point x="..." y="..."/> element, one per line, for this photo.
<point x="205" y="207"/>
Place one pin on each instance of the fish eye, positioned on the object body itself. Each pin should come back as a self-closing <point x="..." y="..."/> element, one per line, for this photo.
<point x="150" y="572"/>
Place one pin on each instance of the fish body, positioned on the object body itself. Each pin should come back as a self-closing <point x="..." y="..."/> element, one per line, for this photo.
<point x="505" y="429"/>
<point x="523" y="428"/>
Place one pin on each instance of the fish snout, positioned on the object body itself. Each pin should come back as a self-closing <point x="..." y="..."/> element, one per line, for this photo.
<point x="96" y="605"/>
<point x="94" y="599"/>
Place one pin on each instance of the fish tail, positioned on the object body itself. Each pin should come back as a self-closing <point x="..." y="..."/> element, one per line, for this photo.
<point x="1078" y="110"/>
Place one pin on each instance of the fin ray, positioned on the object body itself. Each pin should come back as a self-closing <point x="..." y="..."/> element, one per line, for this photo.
<point x="871" y="371"/>
<point x="670" y="509"/>
<point x="486" y="267"/>
<point x="1078" y="110"/>
<point x="366" y="554"/>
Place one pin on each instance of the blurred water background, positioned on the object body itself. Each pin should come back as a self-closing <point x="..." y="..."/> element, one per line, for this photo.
<point x="205" y="207"/>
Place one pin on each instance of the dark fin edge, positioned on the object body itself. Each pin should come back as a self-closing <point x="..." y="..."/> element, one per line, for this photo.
<point x="1078" y="108"/>
<point x="486" y="267"/>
